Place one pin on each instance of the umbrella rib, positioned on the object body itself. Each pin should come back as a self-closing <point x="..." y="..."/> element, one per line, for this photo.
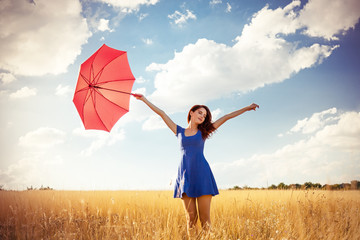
<point x="91" y="73"/>
<point x="98" y="76"/>
<point x="97" y="86"/>
<point x="113" y="90"/>
<point x="97" y="112"/>
<point x="112" y="101"/>
<point x="100" y="71"/>
<point x="83" y="89"/>
<point x="116" y="80"/>
<point x="83" y="107"/>
<point x="86" y="80"/>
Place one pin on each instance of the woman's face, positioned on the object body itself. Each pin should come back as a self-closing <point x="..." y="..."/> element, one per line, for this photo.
<point x="198" y="116"/>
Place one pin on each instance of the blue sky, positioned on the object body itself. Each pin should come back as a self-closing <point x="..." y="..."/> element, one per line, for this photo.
<point x="299" y="60"/>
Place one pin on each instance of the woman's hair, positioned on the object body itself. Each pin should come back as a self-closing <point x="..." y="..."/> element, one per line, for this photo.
<point x="206" y="128"/>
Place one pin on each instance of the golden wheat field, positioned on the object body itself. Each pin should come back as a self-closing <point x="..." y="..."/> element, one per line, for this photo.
<point x="244" y="214"/>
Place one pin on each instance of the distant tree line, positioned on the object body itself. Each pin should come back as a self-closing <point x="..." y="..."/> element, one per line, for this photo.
<point x="41" y="188"/>
<point x="307" y="185"/>
<point x="30" y="188"/>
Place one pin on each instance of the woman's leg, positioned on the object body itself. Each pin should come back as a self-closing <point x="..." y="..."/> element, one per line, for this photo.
<point x="204" y="211"/>
<point x="191" y="214"/>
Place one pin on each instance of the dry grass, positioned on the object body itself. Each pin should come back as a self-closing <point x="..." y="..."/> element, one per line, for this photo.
<point x="247" y="214"/>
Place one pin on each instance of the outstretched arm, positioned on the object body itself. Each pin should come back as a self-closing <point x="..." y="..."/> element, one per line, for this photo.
<point x="223" y="119"/>
<point x="158" y="111"/>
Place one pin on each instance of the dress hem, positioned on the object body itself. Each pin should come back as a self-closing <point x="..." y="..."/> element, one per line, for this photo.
<point x="212" y="194"/>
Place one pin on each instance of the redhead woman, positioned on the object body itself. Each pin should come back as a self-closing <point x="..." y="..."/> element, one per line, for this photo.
<point x="195" y="183"/>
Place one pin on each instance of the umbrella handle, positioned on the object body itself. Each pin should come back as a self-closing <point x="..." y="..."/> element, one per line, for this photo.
<point x="135" y="95"/>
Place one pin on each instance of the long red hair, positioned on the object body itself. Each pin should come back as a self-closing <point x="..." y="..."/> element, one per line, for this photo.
<point x="206" y="128"/>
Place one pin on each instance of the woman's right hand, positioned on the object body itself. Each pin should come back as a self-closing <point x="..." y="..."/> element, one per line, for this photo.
<point x="253" y="106"/>
<point x="139" y="96"/>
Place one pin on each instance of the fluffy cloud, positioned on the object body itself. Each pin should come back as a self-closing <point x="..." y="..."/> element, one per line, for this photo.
<point x="182" y="18"/>
<point x="326" y="19"/>
<point x="228" y="8"/>
<point x="316" y="121"/>
<point x="330" y="155"/>
<point x="34" y="169"/>
<point x="36" y="41"/>
<point x="19" y="173"/>
<point x="7" y="78"/>
<point x="344" y="135"/>
<point x="153" y="123"/>
<point x="215" y="114"/>
<point x="129" y="5"/>
<point x="23" y="93"/>
<point x="44" y="137"/>
<point x="104" y="25"/>
<point x="206" y="70"/>
<point x="147" y="41"/>
<point x="63" y="90"/>
<point x="142" y="16"/>
<point x="215" y="2"/>
<point x="99" y="139"/>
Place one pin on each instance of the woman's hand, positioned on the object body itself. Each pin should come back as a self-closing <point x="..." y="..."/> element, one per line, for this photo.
<point x="139" y="96"/>
<point x="253" y="107"/>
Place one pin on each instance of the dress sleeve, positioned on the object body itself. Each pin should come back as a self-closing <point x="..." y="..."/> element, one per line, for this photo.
<point x="178" y="130"/>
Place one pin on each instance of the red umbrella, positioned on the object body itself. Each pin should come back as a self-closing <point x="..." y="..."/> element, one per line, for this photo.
<point x="103" y="89"/>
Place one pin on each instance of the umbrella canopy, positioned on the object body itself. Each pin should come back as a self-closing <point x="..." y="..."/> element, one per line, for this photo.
<point x="103" y="90"/>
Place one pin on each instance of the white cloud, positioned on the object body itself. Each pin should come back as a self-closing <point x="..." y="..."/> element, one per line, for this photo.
<point x="215" y="2"/>
<point x="147" y="41"/>
<point x="44" y="137"/>
<point x="315" y="122"/>
<point x="30" y="43"/>
<point x="99" y="139"/>
<point x="129" y="6"/>
<point x="268" y="23"/>
<point x="63" y="90"/>
<point x="23" y="93"/>
<point x="344" y="135"/>
<point x="142" y="16"/>
<point x="140" y="90"/>
<point x="218" y="69"/>
<point x="7" y="78"/>
<point x="20" y="173"/>
<point x="215" y="114"/>
<point x="104" y="25"/>
<point x="327" y="19"/>
<point x="36" y="168"/>
<point x="153" y="123"/>
<point x="182" y="18"/>
<point x="330" y="155"/>
<point x="228" y="8"/>
<point x="141" y="79"/>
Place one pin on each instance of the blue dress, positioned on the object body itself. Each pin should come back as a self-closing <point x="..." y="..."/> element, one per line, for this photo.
<point x="194" y="174"/>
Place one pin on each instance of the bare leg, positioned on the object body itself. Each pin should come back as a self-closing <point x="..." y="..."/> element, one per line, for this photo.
<point x="191" y="214"/>
<point x="204" y="211"/>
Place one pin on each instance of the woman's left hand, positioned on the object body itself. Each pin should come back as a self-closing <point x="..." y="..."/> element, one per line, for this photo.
<point x="253" y="106"/>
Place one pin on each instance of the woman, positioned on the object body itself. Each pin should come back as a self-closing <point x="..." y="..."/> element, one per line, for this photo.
<point x="195" y="183"/>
